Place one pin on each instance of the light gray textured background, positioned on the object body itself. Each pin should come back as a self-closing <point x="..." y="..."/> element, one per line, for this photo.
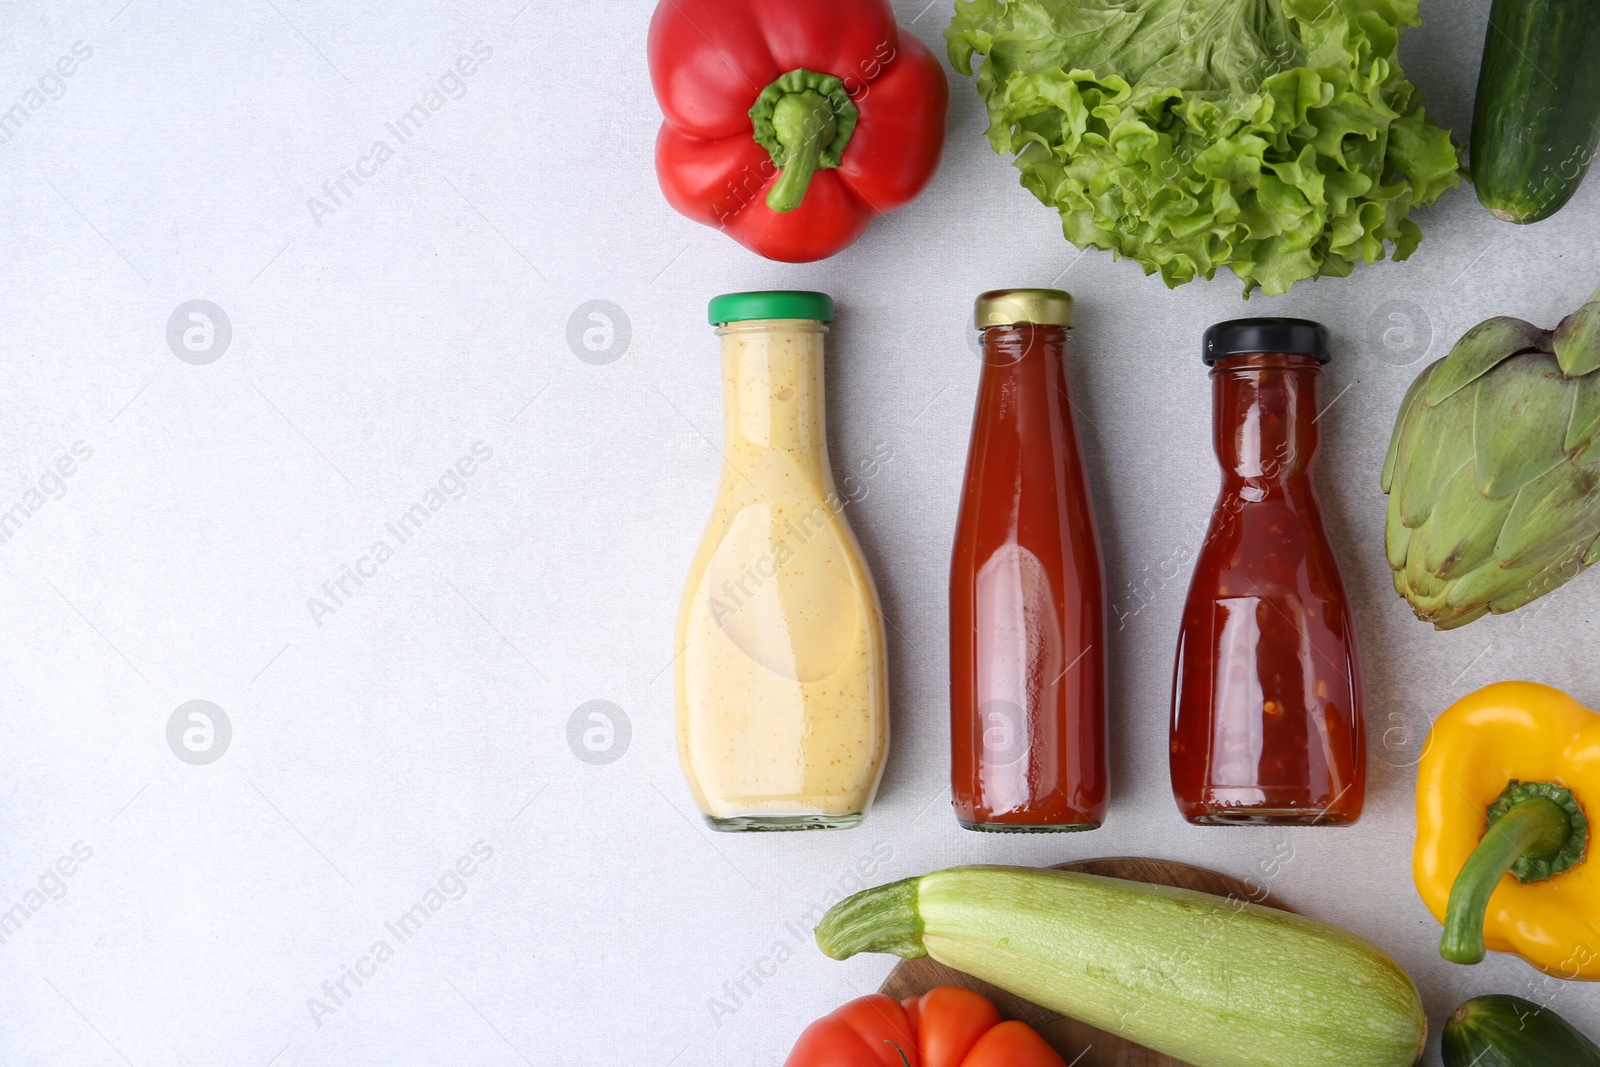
<point x="373" y="346"/>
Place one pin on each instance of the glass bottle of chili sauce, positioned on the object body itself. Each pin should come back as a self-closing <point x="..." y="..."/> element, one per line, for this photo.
<point x="1268" y="707"/>
<point x="1027" y="589"/>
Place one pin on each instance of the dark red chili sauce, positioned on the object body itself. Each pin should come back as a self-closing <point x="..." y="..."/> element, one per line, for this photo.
<point x="1268" y="711"/>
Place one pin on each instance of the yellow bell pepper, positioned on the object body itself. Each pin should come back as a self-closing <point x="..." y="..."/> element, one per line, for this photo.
<point x="1501" y="833"/>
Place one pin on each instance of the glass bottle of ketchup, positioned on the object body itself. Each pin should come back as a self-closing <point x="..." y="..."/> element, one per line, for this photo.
<point x="1268" y="708"/>
<point x="1027" y="589"/>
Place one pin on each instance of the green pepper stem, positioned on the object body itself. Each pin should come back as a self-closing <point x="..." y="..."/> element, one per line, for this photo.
<point x="804" y="120"/>
<point x="805" y="126"/>
<point x="1537" y="829"/>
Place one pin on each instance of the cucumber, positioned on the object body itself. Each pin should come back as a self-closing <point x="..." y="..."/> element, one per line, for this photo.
<point x="1214" y="982"/>
<point x="1506" y="1031"/>
<point x="1537" y="116"/>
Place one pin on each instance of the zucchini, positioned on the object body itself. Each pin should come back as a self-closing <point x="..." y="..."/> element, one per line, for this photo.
<point x="1537" y="116"/>
<point x="1506" y="1031"/>
<point x="1212" y="981"/>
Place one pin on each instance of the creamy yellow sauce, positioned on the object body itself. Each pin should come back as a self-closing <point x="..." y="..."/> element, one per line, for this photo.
<point x="782" y="698"/>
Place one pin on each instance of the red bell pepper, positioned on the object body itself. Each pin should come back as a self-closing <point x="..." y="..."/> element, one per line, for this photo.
<point x="946" y="1027"/>
<point x="791" y="124"/>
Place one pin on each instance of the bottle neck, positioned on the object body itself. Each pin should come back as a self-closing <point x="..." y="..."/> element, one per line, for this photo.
<point x="1264" y="415"/>
<point x="772" y="389"/>
<point x="1023" y="348"/>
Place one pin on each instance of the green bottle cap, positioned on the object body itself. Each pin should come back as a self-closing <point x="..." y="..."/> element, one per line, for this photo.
<point x="771" y="304"/>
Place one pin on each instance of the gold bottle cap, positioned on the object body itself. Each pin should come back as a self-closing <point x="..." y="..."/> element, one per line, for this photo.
<point x="1013" y="307"/>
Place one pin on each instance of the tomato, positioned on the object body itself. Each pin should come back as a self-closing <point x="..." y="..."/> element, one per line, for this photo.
<point x="945" y="1027"/>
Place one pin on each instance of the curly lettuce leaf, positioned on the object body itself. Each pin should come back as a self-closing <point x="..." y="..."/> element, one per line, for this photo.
<point x="1277" y="138"/>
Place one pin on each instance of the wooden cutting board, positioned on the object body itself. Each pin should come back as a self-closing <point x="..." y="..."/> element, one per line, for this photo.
<point x="1080" y="1045"/>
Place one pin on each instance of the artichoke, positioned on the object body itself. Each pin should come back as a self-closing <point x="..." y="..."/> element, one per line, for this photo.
<point x="1493" y="469"/>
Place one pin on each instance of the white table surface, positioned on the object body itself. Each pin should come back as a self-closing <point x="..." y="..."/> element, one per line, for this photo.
<point x="372" y="347"/>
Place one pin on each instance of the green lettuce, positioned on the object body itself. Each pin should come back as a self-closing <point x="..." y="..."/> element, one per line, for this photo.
<point x="1278" y="138"/>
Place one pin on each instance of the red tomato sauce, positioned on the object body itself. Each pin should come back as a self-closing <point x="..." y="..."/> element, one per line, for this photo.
<point x="1027" y="603"/>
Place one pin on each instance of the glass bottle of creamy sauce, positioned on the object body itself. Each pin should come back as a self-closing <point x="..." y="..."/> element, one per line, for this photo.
<point x="782" y="696"/>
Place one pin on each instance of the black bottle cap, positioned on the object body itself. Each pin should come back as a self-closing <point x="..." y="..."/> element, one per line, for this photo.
<point x="1293" y="336"/>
